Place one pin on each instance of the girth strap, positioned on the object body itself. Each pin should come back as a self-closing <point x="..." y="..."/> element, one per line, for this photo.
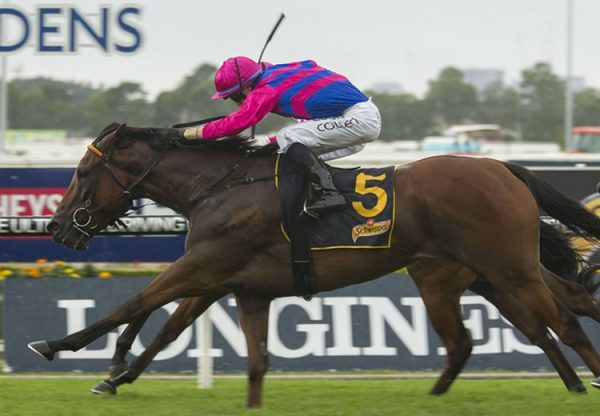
<point x="305" y="283"/>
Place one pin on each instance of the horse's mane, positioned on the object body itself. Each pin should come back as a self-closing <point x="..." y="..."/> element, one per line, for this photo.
<point x="161" y="139"/>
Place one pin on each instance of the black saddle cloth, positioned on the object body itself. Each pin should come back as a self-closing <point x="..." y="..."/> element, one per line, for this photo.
<point x="367" y="221"/>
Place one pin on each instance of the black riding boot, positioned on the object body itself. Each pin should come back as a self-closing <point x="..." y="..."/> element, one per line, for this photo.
<point x="328" y="197"/>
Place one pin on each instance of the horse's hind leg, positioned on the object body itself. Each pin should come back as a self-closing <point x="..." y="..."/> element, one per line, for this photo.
<point x="441" y="284"/>
<point x="534" y="295"/>
<point x="571" y="333"/>
<point x="254" y="319"/>
<point x="573" y="296"/>
<point x="535" y="331"/>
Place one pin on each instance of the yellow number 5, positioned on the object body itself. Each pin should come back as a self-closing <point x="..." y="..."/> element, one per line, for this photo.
<point x="362" y="189"/>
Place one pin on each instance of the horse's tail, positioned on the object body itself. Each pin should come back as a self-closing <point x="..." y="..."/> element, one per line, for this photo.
<point x="569" y="212"/>
<point x="556" y="253"/>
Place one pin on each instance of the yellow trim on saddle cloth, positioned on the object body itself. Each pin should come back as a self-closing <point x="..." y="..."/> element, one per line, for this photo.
<point x="277" y="170"/>
<point x="277" y="159"/>
<point x="391" y="230"/>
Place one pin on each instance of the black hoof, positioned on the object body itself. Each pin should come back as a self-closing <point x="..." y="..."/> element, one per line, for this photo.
<point x="578" y="388"/>
<point x="117" y="370"/>
<point x="105" y="387"/>
<point x="42" y="349"/>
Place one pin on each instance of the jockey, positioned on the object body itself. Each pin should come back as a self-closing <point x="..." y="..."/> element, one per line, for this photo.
<point x="336" y="118"/>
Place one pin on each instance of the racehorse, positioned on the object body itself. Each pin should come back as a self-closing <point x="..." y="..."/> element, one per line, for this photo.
<point x="440" y="284"/>
<point x="470" y="212"/>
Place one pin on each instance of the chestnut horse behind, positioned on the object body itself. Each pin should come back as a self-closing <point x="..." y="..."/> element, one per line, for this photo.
<point x="474" y="213"/>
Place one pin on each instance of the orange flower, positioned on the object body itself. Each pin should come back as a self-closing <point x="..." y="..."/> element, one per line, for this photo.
<point x="104" y="275"/>
<point x="47" y="269"/>
<point x="41" y="261"/>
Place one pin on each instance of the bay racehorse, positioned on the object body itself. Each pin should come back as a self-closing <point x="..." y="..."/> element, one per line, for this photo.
<point x="440" y="282"/>
<point x="472" y="212"/>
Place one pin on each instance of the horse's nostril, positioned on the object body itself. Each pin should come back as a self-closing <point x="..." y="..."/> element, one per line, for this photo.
<point x="52" y="227"/>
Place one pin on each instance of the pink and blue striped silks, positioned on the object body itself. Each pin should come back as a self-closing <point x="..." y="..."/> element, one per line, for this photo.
<point x="302" y="90"/>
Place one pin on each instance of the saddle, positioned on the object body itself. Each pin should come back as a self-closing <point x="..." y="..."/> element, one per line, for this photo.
<point x="367" y="221"/>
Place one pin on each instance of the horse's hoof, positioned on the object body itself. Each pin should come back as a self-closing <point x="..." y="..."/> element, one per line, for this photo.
<point x="578" y="388"/>
<point x="105" y="387"/>
<point x="596" y="383"/>
<point x="118" y="370"/>
<point x="42" y="349"/>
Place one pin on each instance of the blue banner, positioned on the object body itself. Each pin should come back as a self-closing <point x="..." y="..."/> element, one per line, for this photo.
<point x="38" y="191"/>
<point x="380" y="324"/>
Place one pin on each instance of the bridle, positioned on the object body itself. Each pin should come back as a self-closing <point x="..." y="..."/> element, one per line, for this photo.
<point x="83" y="215"/>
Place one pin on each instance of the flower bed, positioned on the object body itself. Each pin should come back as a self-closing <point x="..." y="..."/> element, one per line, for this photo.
<point x="44" y="268"/>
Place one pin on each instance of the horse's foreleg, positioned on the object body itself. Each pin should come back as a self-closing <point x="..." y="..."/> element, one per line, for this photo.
<point x="186" y="313"/>
<point x="118" y="364"/>
<point x="441" y="283"/>
<point x="173" y="283"/>
<point x="254" y="319"/>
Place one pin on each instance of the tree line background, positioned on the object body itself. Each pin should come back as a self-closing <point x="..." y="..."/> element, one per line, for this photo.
<point x="534" y="108"/>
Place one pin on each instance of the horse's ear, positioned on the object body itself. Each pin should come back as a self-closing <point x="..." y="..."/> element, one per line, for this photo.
<point x="120" y="130"/>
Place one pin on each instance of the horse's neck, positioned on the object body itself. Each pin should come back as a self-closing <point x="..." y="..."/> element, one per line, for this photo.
<point x="185" y="178"/>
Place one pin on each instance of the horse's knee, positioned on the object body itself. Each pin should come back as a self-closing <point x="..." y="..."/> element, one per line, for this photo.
<point x="257" y="371"/>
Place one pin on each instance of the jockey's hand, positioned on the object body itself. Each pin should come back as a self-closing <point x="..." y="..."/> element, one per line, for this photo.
<point x="193" y="133"/>
<point x="261" y="141"/>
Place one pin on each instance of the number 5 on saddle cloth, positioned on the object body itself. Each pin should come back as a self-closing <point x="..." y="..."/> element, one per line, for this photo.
<point x="366" y="223"/>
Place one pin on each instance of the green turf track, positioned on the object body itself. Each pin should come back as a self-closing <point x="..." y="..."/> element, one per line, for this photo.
<point x="298" y="397"/>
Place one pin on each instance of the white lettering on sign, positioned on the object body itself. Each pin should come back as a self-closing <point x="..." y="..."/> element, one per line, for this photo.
<point x="14" y="205"/>
<point x="317" y="336"/>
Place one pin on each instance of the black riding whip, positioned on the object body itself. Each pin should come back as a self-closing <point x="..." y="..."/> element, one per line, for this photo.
<point x="281" y="17"/>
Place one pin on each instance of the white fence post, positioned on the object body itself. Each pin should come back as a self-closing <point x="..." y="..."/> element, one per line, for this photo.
<point x="204" y="361"/>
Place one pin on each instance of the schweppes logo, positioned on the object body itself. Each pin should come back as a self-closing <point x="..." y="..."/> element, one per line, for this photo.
<point x="371" y="228"/>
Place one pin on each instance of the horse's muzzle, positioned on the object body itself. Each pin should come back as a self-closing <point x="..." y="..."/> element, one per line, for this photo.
<point x="71" y="237"/>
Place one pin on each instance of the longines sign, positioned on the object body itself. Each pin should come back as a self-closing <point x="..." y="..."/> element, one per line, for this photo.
<point x="66" y="29"/>
<point x="381" y="324"/>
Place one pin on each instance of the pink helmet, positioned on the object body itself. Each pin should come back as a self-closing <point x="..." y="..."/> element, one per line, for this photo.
<point x="234" y="73"/>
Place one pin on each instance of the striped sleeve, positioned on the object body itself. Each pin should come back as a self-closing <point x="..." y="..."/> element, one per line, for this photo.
<point x="260" y="102"/>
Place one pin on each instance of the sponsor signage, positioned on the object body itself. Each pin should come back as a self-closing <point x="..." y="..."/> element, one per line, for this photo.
<point x="381" y="324"/>
<point x="28" y="193"/>
<point x="60" y="29"/>
<point x="142" y="225"/>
